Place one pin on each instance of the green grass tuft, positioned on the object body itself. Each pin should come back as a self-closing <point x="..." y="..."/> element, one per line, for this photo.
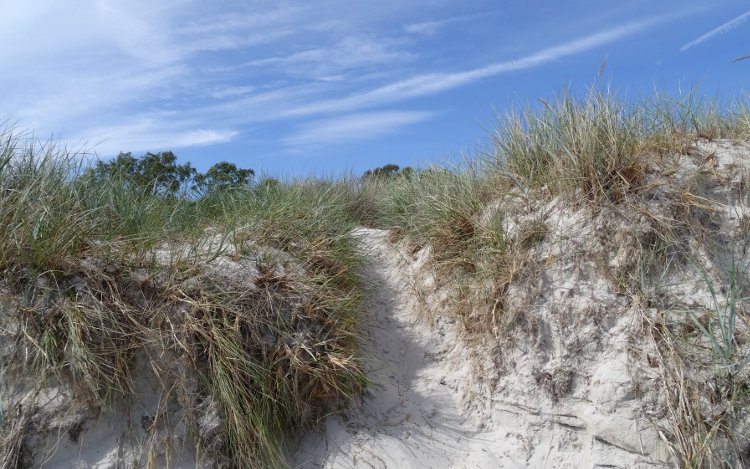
<point x="105" y="275"/>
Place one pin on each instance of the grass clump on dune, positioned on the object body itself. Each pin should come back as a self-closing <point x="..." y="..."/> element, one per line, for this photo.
<point x="598" y="148"/>
<point x="614" y="164"/>
<point x="246" y="301"/>
<point x="601" y="146"/>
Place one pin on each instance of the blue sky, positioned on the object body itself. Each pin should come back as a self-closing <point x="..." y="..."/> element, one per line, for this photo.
<point x="325" y="86"/>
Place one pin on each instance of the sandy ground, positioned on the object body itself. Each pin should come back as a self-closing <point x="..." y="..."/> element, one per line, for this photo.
<point x="115" y="438"/>
<point x="411" y="415"/>
<point x="568" y="380"/>
<point x="430" y="405"/>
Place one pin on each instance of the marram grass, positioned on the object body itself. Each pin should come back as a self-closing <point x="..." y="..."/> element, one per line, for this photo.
<point x="74" y="250"/>
<point x="104" y="275"/>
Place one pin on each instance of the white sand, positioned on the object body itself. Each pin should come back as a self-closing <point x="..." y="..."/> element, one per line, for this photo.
<point x="411" y="414"/>
<point x="427" y="409"/>
<point x="430" y="407"/>
<point x="569" y="380"/>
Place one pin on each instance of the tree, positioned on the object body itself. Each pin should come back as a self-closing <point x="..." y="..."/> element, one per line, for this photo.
<point x="160" y="171"/>
<point x="223" y="176"/>
<point x="154" y="173"/>
<point x="388" y="171"/>
<point x="159" y="174"/>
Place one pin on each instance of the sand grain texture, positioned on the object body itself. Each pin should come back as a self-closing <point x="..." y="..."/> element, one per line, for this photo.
<point x="570" y="371"/>
<point x="435" y="402"/>
<point x="411" y="415"/>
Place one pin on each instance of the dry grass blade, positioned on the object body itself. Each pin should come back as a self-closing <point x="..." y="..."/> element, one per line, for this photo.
<point x="103" y="279"/>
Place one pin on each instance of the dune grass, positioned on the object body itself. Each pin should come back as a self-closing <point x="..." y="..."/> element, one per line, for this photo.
<point x="600" y="152"/>
<point x="104" y="274"/>
<point x="594" y="148"/>
<point x="278" y="355"/>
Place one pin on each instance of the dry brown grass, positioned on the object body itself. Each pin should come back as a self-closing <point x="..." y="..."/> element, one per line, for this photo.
<point x="249" y="299"/>
<point x="605" y="155"/>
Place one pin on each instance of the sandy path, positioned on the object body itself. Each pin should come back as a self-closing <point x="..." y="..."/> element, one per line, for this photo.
<point x="410" y="416"/>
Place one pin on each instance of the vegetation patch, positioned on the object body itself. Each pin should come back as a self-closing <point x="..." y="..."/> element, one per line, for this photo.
<point x="241" y="302"/>
<point x="590" y="222"/>
<point x="643" y="203"/>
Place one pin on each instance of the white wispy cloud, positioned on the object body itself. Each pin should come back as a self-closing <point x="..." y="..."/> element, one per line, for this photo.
<point x="299" y="101"/>
<point x="429" y="28"/>
<point x="724" y="28"/>
<point x="348" y="53"/>
<point x="193" y="137"/>
<point x="139" y="74"/>
<point x="114" y="62"/>
<point x="147" y="134"/>
<point x="123" y="62"/>
<point x="229" y="91"/>
<point x="428" y="84"/>
<point x="355" y="127"/>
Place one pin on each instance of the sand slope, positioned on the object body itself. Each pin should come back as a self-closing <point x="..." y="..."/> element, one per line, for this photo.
<point x="431" y="406"/>
<point x="569" y="373"/>
<point x="411" y="415"/>
<point x="589" y="345"/>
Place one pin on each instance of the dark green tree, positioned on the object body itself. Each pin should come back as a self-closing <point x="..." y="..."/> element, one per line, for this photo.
<point x="388" y="171"/>
<point x="407" y="172"/>
<point x="154" y="173"/>
<point x="223" y="176"/>
<point x="161" y="171"/>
